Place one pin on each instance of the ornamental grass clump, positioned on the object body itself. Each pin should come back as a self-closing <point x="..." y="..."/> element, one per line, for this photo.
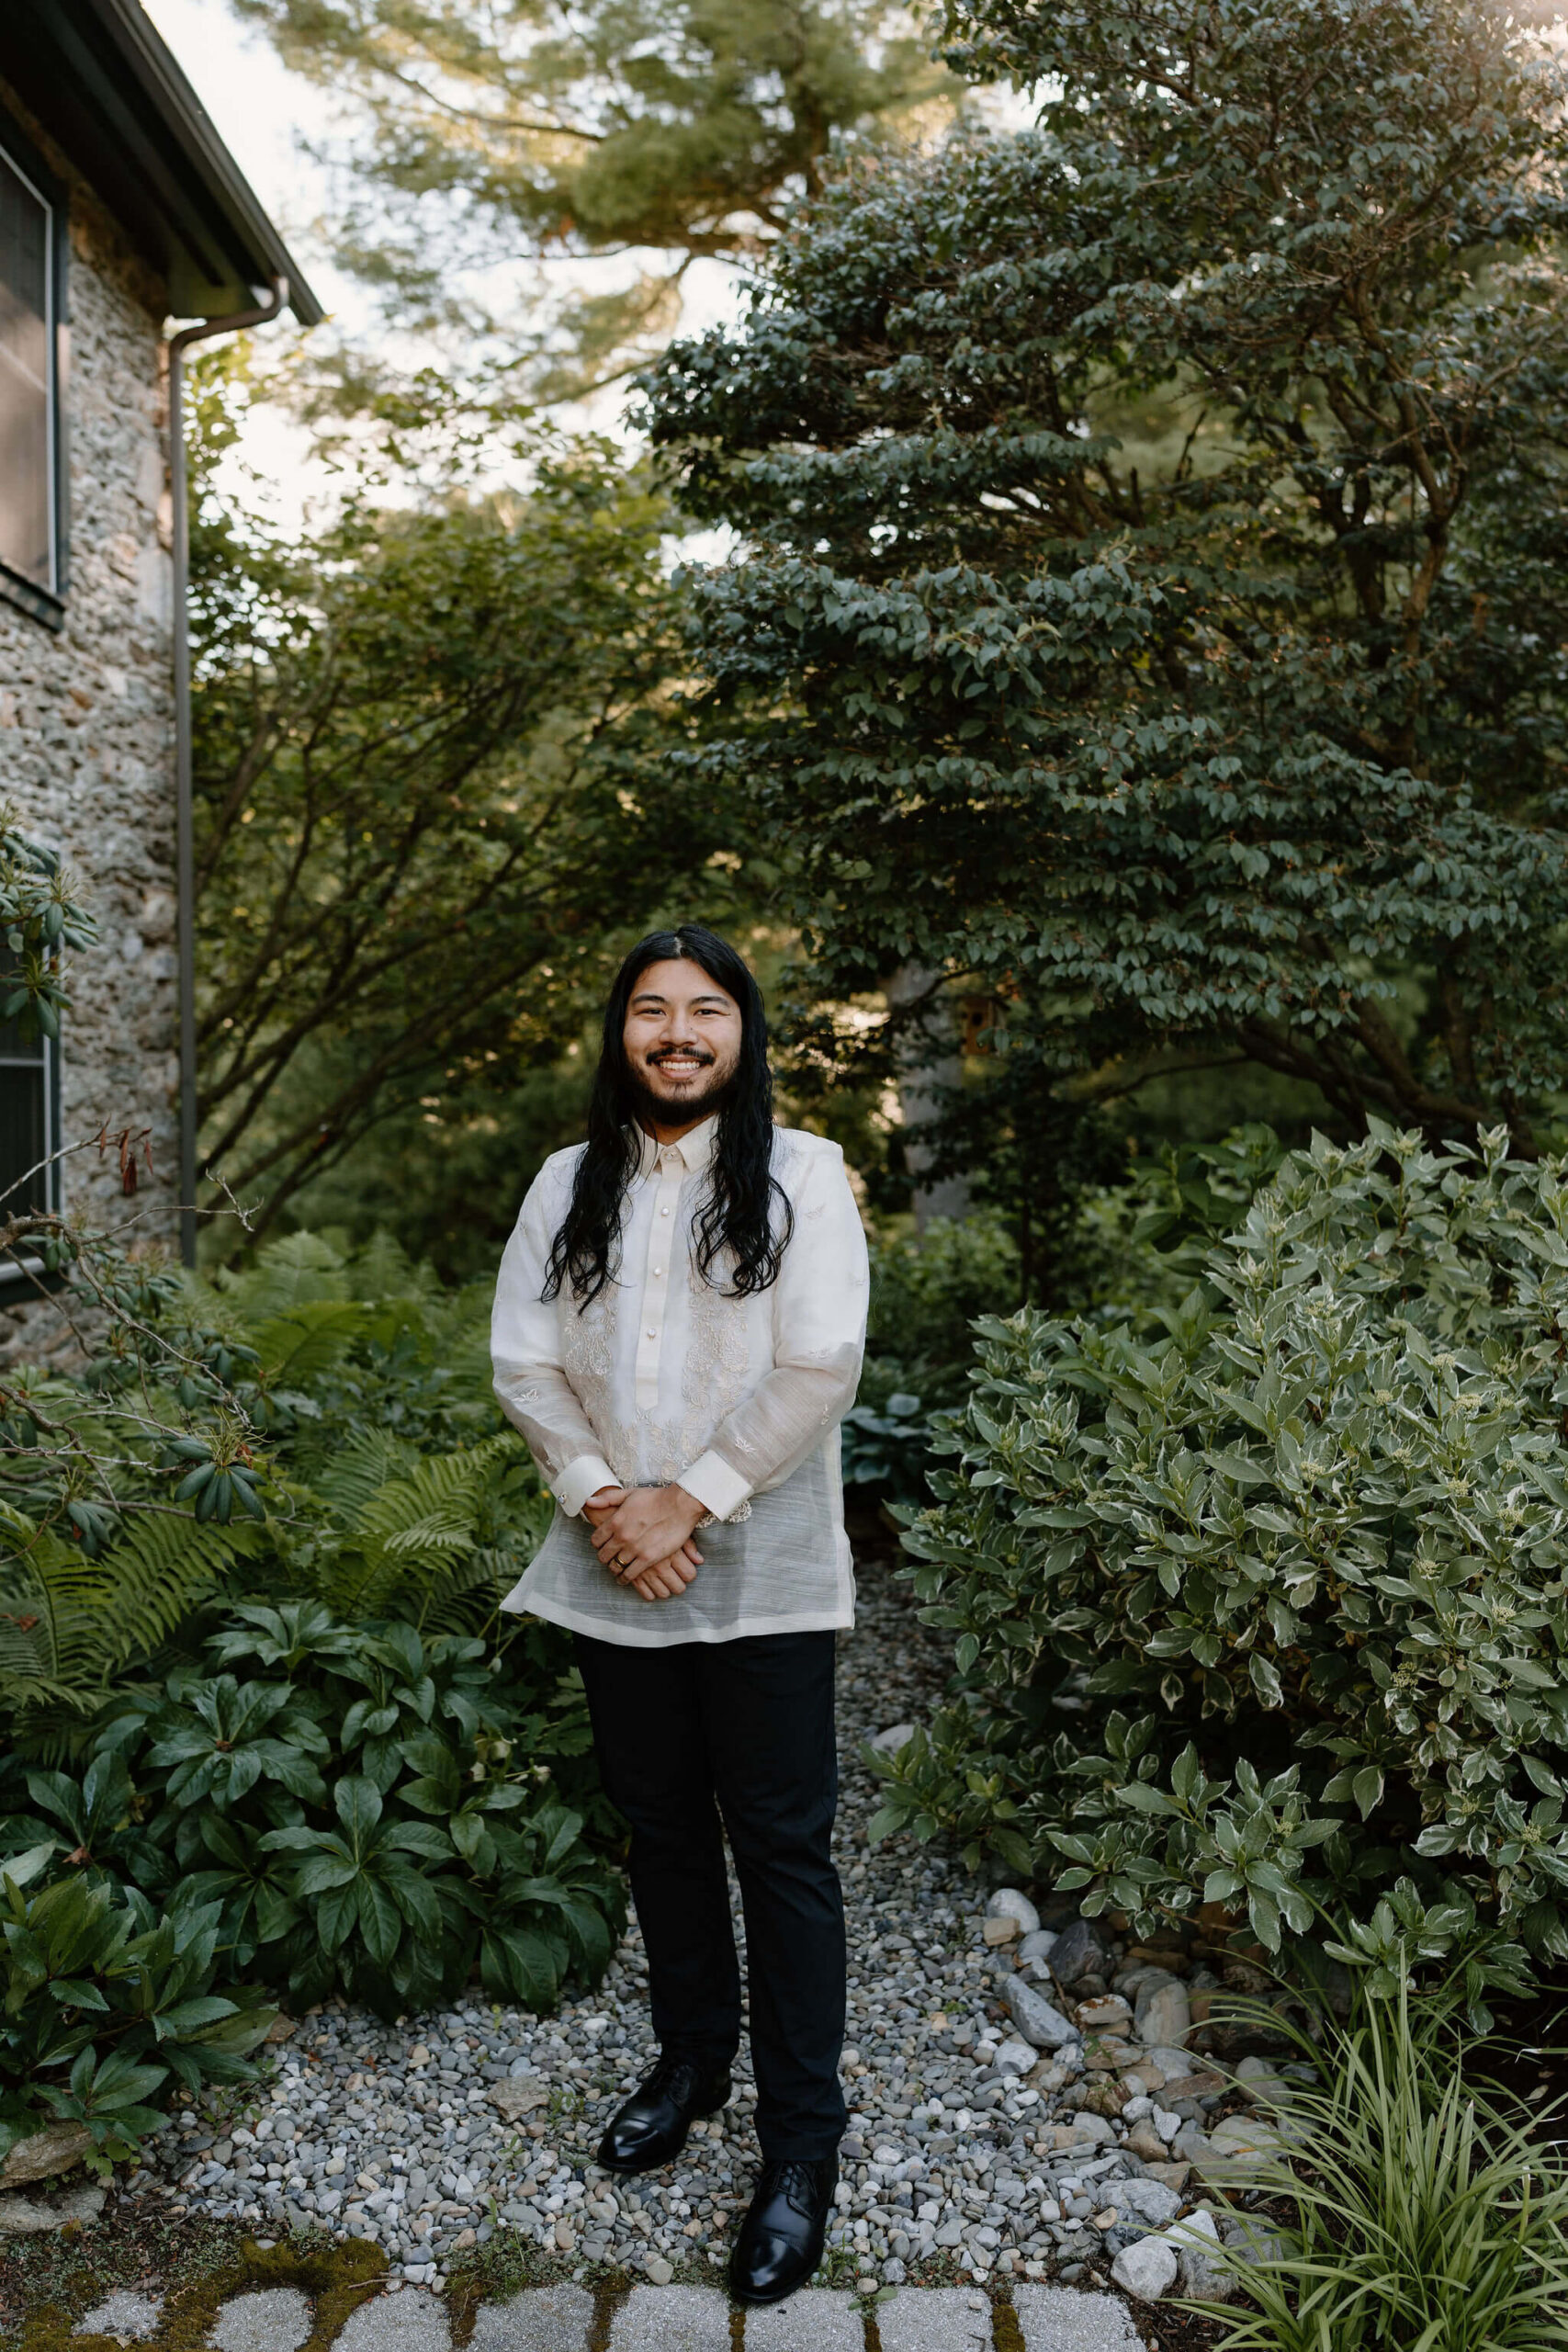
<point x="1424" y="2219"/>
<point x="1261" y="1604"/>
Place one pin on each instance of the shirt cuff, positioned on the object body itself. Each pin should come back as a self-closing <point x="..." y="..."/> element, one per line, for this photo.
<point x="579" y="1479"/>
<point x="711" y="1482"/>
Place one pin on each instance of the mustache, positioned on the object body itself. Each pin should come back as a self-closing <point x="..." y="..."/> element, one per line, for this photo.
<point x="681" y="1053"/>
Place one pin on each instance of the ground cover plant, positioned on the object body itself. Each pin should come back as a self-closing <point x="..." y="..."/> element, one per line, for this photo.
<point x="1260" y="1603"/>
<point x="264" y="1727"/>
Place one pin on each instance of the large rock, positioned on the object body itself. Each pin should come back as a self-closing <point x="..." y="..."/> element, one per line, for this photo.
<point x="1010" y="1902"/>
<point x="897" y="1735"/>
<point x="1259" y="2079"/>
<point x="1039" y="1945"/>
<point x="1245" y="2234"/>
<point x="1148" y="2202"/>
<point x="1163" y="2014"/>
<point x="59" y="2147"/>
<point x="1238" y="2151"/>
<point x="1196" y="2241"/>
<point x="517" y="2099"/>
<point x="1035" y="2018"/>
<point x="1079" y="1951"/>
<point x="1147" y="2268"/>
<point x="25" y="2217"/>
<point x="1015" y="2056"/>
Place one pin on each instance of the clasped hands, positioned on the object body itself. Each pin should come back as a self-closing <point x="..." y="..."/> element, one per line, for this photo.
<point x="643" y="1535"/>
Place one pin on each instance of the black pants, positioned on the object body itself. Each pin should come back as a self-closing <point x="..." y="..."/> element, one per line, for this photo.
<point x="746" y="1728"/>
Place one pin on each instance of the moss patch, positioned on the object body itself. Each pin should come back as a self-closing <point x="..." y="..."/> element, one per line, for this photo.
<point x="42" y="2309"/>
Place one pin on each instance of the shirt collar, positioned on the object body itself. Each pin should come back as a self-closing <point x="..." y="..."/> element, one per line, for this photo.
<point x="694" y="1149"/>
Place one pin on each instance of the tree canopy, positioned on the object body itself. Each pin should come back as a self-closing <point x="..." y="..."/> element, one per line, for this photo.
<point x="423" y="838"/>
<point x="535" y="129"/>
<point x="1150" y="604"/>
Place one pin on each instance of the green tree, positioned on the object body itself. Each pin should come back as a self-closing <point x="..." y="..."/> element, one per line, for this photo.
<point x="1242" y="742"/>
<point x="536" y="131"/>
<point x="424" y="737"/>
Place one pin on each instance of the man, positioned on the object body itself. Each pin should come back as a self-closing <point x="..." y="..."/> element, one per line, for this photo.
<point x="679" y="1323"/>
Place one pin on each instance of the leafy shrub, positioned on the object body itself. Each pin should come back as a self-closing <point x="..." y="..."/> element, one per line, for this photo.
<point x="105" y="2006"/>
<point x="1262" y="1605"/>
<point x="1421" y="2214"/>
<point x="361" y="1809"/>
<point x="889" y="1450"/>
<point x="927" y="1290"/>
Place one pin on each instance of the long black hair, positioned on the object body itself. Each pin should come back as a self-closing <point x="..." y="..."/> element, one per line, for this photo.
<point x="737" y="1218"/>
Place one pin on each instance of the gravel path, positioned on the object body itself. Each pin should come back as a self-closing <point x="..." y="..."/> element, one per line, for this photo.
<point x="969" y="2153"/>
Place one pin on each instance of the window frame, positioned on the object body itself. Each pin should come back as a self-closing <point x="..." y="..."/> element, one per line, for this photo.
<point x="47" y="603"/>
<point x="15" y="1270"/>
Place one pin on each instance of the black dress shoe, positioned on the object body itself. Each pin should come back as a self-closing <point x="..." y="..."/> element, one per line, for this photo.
<point x="781" y="2239"/>
<point x="653" y="2124"/>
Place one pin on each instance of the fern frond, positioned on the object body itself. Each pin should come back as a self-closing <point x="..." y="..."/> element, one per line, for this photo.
<point x="443" y="1486"/>
<point x="383" y="1268"/>
<point x="297" y="1271"/>
<point x="350" y="1479"/>
<point x="310" y="1339"/>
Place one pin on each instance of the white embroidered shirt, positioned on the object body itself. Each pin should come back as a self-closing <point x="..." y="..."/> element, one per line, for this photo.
<point x="667" y="1378"/>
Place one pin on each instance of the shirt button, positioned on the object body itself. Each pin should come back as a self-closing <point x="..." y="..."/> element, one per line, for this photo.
<point x="653" y="1332"/>
<point x="664" y="1212"/>
<point x="657" y="1274"/>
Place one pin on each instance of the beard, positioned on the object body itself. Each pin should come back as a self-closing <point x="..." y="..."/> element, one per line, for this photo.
<point x="716" y="1089"/>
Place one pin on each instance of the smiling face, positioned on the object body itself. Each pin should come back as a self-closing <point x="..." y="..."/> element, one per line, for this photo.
<point x="683" y="1044"/>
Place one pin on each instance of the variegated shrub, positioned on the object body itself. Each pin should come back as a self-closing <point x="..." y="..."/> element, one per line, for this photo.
<point x="1264" y="1603"/>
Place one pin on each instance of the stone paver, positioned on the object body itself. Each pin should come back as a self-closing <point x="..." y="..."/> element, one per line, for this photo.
<point x="672" y="2319"/>
<point x="935" y="2319"/>
<point x="124" y="2313"/>
<point x="1053" y="2319"/>
<point x="272" y="2319"/>
<point x="411" y="2321"/>
<point x="820" y="2319"/>
<point x="547" y="2318"/>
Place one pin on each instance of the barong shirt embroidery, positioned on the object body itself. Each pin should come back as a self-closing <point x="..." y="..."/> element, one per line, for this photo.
<point x="668" y="1378"/>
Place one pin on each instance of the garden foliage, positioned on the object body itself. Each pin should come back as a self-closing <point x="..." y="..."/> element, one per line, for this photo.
<point x="1262" y="1603"/>
<point x="106" y="2006"/>
<point x="1408" y="2208"/>
<point x="927" y="1289"/>
<point x="364" y="1809"/>
<point x="278" y="1736"/>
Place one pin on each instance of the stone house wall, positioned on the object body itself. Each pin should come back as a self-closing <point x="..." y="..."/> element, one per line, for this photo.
<point x="87" y="718"/>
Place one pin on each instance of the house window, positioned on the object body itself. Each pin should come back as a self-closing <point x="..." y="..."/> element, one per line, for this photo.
<point x="29" y="1121"/>
<point x="32" y="306"/>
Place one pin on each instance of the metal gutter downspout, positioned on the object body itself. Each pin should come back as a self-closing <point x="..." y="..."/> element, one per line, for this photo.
<point x="185" y="830"/>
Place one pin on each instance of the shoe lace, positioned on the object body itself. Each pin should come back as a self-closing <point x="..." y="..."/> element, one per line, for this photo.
<point x="666" y="2074"/>
<point x="793" y="2179"/>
